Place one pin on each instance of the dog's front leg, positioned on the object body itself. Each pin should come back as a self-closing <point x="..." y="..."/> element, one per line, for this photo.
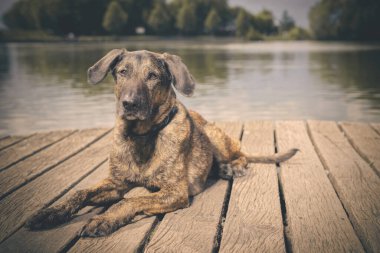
<point x="108" y="191"/>
<point x="163" y="201"/>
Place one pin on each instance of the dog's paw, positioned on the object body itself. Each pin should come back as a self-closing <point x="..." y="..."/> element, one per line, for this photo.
<point x="48" y="218"/>
<point x="228" y="171"/>
<point x="99" y="226"/>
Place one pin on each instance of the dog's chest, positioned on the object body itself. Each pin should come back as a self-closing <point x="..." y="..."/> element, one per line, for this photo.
<point x="139" y="163"/>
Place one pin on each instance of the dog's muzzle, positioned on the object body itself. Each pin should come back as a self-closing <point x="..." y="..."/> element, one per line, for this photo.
<point x="134" y="109"/>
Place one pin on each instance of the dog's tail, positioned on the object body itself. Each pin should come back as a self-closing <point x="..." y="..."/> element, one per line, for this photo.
<point x="276" y="158"/>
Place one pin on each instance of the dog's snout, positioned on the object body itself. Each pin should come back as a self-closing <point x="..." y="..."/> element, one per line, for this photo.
<point x="130" y="105"/>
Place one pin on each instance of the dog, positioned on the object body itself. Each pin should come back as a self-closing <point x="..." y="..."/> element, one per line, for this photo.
<point x="157" y="144"/>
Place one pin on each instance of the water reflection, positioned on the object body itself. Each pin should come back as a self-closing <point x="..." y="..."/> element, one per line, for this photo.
<point x="43" y="86"/>
<point x="355" y="72"/>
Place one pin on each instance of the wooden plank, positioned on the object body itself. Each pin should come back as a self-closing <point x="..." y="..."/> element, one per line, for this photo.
<point x="376" y="126"/>
<point x="254" y="220"/>
<point x="127" y="239"/>
<point x="316" y="219"/>
<point x="356" y="183"/>
<point x="54" y="240"/>
<point x="29" y="168"/>
<point x="17" y="207"/>
<point x="29" y="147"/>
<point x="194" y="229"/>
<point x="365" y="141"/>
<point x="10" y="140"/>
<point x="57" y="239"/>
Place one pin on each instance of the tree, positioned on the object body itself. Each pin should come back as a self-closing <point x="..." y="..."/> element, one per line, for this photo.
<point x="286" y="22"/>
<point x="212" y="21"/>
<point x="187" y="19"/>
<point x="160" y="19"/>
<point x="345" y="20"/>
<point x="24" y="15"/>
<point x="264" y="22"/>
<point x="242" y="22"/>
<point x="115" y="18"/>
<point x="252" y="34"/>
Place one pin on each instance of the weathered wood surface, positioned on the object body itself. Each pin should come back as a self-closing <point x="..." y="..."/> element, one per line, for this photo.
<point x="365" y="141"/>
<point x="376" y="126"/>
<point x="332" y="171"/>
<point x="17" y="207"/>
<point x="354" y="180"/>
<point x="10" y="140"/>
<point x="316" y="218"/>
<point x="29" y="146"/>
<point x="129" y="238"/>
<point x="27" y="169"/>
<point x="194" y="229"/>
<point x="254" y="220"/>
<point x="58" y="238"/>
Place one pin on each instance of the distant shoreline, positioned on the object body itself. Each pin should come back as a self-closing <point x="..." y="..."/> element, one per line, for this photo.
<point x="33" y="37"/>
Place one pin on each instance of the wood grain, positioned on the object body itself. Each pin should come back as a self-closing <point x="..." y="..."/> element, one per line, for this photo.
<point x="29" y="147"/>
<point x="127" y="239"/>
<point x="366" y="142"/>
<point x="376" y="126"/>
<point x="17" y="207"/>
<point x="316" y="219"/>
<point x="356" y="183"/>
<point x="194" y="229"/>
<point x="10" y="140"/>
<point x="33" y="166"/>
<point x="55" y="240"/>
<point x="254" y="221"/>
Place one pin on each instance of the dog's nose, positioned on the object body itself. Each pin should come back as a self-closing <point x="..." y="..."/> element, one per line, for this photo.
<point x="130" y="105"/>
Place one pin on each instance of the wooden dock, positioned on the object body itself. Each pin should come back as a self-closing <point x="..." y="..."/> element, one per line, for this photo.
<point x="325" y="199"/>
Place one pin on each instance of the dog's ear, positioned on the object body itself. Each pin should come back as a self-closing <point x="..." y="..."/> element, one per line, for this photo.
<point x="99" y="70"/>
<point x="181" y="77"/>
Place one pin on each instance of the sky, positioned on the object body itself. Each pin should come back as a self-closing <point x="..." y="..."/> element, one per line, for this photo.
<point x="298" y="9"/>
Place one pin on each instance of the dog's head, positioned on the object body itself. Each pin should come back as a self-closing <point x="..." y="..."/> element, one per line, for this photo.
<point x="142" y="80"/>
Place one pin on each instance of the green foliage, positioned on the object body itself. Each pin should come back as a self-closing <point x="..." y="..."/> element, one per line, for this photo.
<point x="345" y="19"/>
<point x="187" y="19"/>
<point x="58" y="16"/>
<point x="329" y="19"/>
<point x="243" y="22"/>
<point x="138" y="13"/>
<point x="298" y="33"/>
<point x="24" y="14"/>
<point x="213" y="21"/>
<point x="264" y="22"/>
<point x="252" y="34"/>
<point x="286" y="22"/>
<point x="115" y="18"/>
<point x="160" y="19"/>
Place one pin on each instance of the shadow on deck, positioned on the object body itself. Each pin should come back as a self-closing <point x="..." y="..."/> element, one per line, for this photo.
<point x="325" y="199"/>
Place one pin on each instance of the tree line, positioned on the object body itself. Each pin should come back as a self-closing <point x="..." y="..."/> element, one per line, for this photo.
<point x="157" y="17"/>
<point x="329" y="19"/>
<point x="345" y="20"/>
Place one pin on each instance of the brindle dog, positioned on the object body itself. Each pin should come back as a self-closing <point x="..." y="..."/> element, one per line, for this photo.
<point x="157" y="143"/>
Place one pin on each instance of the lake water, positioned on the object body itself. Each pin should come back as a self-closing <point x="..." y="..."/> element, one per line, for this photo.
<point x="43" y="85"/>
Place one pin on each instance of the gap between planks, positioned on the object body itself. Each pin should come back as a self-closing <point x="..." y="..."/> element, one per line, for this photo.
<point x="17" y="207"/>
<point x="30" y="146"/>
<point x="32" y="167"/>
<point x="355" y="182"/>
<point x="254" y="221"/>
<point x="316" y="222"/>
<point x="365" y="140"/>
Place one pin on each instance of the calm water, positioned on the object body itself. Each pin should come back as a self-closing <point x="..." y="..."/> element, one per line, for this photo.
<point x="43" y="86"/>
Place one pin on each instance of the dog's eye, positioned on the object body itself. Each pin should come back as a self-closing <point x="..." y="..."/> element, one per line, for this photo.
<point x="152" y="76"/>
<point x="123" y="72"/>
